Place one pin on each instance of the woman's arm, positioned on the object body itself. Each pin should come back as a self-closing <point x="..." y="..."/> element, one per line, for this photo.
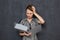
<point x="40" y="19"/>
<point x="25" y="34"/>
<point x="22" y="34"/>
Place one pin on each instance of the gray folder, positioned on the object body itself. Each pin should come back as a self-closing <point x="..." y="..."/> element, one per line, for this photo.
<point x="21" y="27"/>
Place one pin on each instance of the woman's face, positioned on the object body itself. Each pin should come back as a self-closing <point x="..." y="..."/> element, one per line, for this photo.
<point x="29" y="13"/>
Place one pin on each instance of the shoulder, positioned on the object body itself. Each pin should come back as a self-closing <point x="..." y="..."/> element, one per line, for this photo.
<point x="23" y="20"/>
<point x="35" y="19"/>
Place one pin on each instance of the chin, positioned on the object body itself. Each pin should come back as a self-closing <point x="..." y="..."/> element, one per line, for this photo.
<point x="29" y="17"/>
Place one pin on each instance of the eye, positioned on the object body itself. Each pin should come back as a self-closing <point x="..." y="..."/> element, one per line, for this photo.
<point x="27" y="13"/>
<point x="30" y="13"/>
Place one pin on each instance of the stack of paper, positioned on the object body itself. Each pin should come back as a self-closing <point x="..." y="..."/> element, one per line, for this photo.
<point x="21" y="27"/>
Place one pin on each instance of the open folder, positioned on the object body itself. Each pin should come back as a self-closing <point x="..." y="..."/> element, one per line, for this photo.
<point x="21" y="27"/>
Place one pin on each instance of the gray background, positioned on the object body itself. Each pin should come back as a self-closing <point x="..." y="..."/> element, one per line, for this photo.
<point x="12" y="11"/>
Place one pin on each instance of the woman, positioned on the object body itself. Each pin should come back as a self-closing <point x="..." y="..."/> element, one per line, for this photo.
<point x="31" y="22"/>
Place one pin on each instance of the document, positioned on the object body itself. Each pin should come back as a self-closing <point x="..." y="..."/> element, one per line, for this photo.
<point x="21" y="27"/>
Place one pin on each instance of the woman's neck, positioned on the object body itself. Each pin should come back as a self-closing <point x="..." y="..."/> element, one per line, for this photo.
<point x="29" y="20"/>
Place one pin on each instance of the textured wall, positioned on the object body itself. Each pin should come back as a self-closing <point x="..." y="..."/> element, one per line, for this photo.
<point x="14" y="10"/>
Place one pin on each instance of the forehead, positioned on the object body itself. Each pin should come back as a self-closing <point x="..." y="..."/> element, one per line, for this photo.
<point x="29" y="11"/>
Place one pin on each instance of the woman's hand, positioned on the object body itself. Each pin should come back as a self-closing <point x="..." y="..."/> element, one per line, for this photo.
<point x="40" y="19"/>
<point x="33" y="8"/>
<point x="25" y="34"/>
<point x="22" y="34"/>
<point x="28" y="34"/>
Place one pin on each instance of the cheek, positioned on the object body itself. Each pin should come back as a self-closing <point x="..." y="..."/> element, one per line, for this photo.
<point x="27" y="14"/>
<point x="31" y="14"/>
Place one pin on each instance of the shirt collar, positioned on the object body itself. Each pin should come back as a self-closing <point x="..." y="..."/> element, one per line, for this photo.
<point x="31" y="21"/>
